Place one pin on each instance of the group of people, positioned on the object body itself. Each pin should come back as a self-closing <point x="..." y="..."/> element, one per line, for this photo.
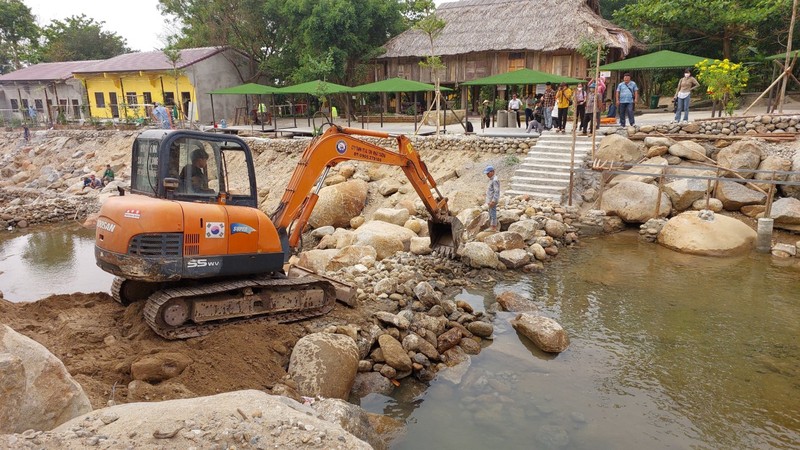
<point x="97" y="183"/>
<point x="548" y="110"/>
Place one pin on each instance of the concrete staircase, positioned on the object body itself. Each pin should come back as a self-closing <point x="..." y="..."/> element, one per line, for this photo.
<point x="544" y="173"/>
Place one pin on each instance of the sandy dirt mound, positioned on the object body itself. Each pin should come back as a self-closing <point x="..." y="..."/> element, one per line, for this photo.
<point x="98" y="340"/>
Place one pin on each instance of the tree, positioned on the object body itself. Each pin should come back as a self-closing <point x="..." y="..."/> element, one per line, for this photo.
<point x="79" y="38"/>
<point x="432" y="27"/>
<point x="727" y="23"/>
<point x="415" y="10"/>
<point x="18" y="35"/>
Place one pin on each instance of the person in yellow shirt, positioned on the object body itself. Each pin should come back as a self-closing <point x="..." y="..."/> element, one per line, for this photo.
<point x="563" y="100"/>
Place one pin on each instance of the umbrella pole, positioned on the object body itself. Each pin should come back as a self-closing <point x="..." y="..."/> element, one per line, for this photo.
<point x="415" y="113"/>
<point x="213" y="118"/>
<point x="347" y="108"/>
<point x="308" y="109"/>
<point x="494" y="102"/>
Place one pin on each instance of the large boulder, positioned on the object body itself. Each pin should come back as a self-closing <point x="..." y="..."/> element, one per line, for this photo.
<point x="352" y="418"/>
<point x="635" y="202"/>
<point x="793" y="191"/>
<point x="479" y="254"/>
<point x="350" y="256"/>
<point x="741" y="155"/>
<point x="225" y="418"/>
<point x="36" y="391"/>
<point x="317" y="260"/>
<point x="505" y="240"/>
<point x="465" y="199"/>
<point x="688" y="150"/>
<point x="396" y="356"/>
<point x="617" y="148"/>
<point x="544" y="332"/>
<point x="734" y="195"/>
<point x="395" y="216"/>
<point x="525" y="228"/>
<point x="721" y="236"/>
<point x="383" y="236"/>
<point x="324" y="365"/>
<point x="514" y="302"/>
<point x="652" y="169"/>
<point x="339" y="203"/>
<point x="786" y="213"/>
<point x="683" y="192"/>
<point x="514" y="259"/>
<point x="772" y="163"/>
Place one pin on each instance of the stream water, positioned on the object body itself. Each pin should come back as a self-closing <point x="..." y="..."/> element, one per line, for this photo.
<point x="667" y="350"/>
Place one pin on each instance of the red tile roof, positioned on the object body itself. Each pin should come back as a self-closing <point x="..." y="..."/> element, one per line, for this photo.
<point x="155" y="60"/>
<point x="48" y="71"/>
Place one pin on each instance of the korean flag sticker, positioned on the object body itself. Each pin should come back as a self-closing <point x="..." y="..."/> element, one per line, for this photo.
<point x="215" y="230"/>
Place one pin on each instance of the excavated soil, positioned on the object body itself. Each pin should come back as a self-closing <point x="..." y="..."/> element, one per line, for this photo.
<point x="98" y="340"/>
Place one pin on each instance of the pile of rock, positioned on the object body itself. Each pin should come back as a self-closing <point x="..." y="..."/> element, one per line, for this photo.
<point x="660" y="185"/>
<point x="27" y="207"/>
<point x="762" y="124"/>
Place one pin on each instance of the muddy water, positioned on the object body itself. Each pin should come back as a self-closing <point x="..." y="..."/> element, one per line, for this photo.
<point x="57" y="260"/>
<point x="667" y="351"/>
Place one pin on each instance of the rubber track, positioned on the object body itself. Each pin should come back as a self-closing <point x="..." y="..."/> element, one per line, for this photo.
<point x="116" y="287"/>
<point x="159" y="298"/>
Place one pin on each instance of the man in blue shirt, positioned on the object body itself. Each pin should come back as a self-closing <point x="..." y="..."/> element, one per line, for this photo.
<point x="627" y="96"/>
<point x="162" y="116"/>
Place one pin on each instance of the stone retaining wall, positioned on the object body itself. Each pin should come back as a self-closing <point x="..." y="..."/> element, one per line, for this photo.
<point x="753" y="125"/>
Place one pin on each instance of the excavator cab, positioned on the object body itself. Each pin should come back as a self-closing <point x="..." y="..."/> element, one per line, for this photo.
<point x="193" y="166"/>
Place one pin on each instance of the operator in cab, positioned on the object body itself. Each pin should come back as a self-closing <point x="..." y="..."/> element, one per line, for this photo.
<point x="194" y="175"/>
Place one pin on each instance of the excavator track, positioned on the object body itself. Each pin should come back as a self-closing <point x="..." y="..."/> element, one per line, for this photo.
<point x="126" y="291"/>
<point x="186" y="312"/>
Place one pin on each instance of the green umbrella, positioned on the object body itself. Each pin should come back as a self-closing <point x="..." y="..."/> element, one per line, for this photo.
<point x="246" y="89"/>
<point x="314" y="88"/>
<point x="664" y="59"/>
<point x="397" y="85"/>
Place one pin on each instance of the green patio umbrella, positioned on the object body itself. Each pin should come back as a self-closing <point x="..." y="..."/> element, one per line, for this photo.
<point x="664" y="59"/>
<point x="522" y="76"/>
<point x="313" y="88"/>
<point x="398" y="85"/>
<point x="243" y="89"/>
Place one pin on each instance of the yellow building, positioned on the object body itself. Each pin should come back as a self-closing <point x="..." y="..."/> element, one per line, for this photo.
<point x="126" y="87"/>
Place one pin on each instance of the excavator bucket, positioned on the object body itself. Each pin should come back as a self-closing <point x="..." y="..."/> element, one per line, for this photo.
<point x="445" y="235"/>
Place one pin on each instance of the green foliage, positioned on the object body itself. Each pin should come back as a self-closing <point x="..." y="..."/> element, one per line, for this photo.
<point x="588" y="47"/>
<point x="18" y="35"/>
<point x="512" y="160"/>
<point x="79" y="38"/>
<point x="415" y="10"/>
<point x="724" y="81"/>
<point x="500" y="104"/>
<point x="709" y="27"/>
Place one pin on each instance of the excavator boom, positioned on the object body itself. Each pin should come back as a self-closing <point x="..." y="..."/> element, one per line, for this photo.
<point x="338" y="144"/>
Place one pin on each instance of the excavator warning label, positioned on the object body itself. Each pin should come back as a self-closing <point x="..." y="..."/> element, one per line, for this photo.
<point x="368" y="154"/>
<point x="341" y="146"/>
<point x="215" y="230"/>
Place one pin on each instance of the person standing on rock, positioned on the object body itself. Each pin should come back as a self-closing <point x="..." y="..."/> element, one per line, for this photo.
<point x="492" y="196"/>
<point x="682" y="94"/>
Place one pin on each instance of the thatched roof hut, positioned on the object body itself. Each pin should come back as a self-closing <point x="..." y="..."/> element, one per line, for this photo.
<point x="512" y="25"/>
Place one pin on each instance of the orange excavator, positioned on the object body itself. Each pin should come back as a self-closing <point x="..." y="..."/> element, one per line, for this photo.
<point x="190" y="239"/>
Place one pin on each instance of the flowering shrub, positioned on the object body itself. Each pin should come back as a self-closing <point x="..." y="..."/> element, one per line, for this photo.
<point x="723" y="79"/>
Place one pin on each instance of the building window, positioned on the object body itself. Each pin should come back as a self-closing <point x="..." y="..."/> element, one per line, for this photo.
<point x="147" y="98"/>
<point x="25" y="104"/>
<point x="76" y="108"/>
<point x="14" y="104"/>
<point x="39" y="105"/>
<point x="130" y="98"/>
<point x="100" y="99"/>
<point x="169" y="98"/>
<point x="516" y="61"/>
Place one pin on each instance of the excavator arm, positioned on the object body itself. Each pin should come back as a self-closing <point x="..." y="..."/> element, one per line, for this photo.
<point x="336" y="145"/>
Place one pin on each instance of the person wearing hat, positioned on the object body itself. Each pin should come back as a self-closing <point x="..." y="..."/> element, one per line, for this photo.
<point x="486" y="114"/>
<point x="492" y="196"/>
<point x="194" y="174"/>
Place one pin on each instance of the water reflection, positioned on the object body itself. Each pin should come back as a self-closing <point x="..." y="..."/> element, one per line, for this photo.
<point x="667" y="351"/>
<point x="53" y="260"/>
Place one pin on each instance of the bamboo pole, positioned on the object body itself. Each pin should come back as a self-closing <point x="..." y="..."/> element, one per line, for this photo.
<point x="572" y="151"/>
<point x="595" y="119"/>
<point x="788" y="55"/>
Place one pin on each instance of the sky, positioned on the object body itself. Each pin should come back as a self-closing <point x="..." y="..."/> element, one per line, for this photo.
<point x="140" y="22"/>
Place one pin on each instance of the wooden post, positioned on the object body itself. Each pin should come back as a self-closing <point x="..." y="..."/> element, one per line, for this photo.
<point x="768" y="209"/>
<point x="572" y="152"/>
<point x="595" y="119"/>
<point x="788" y="55"/>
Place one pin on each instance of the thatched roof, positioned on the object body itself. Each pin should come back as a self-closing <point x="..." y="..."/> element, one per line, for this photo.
<point x="511" y="25"/>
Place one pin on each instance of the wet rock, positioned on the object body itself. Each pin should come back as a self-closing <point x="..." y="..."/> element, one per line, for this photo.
<point x="415" y="343"/>
<point x="688" y="232"/>
<point x="554" y="228"/>
<point x="514" y="302"/>
<point x="479" y="254"/>
<point x="514" y="259"/>
<point x="351" y="418"/>
<point x="470" y="346"/>
<point x="324" y="364"/>
<point x="537" y="251"/>
<point x="784" y="250"/>
<point x="544" y="332"/>
<point x="394" y="353"/>
<point x="481" y="329"/>
<point x="371" y="383"/>
<point x="448" y="339"/>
